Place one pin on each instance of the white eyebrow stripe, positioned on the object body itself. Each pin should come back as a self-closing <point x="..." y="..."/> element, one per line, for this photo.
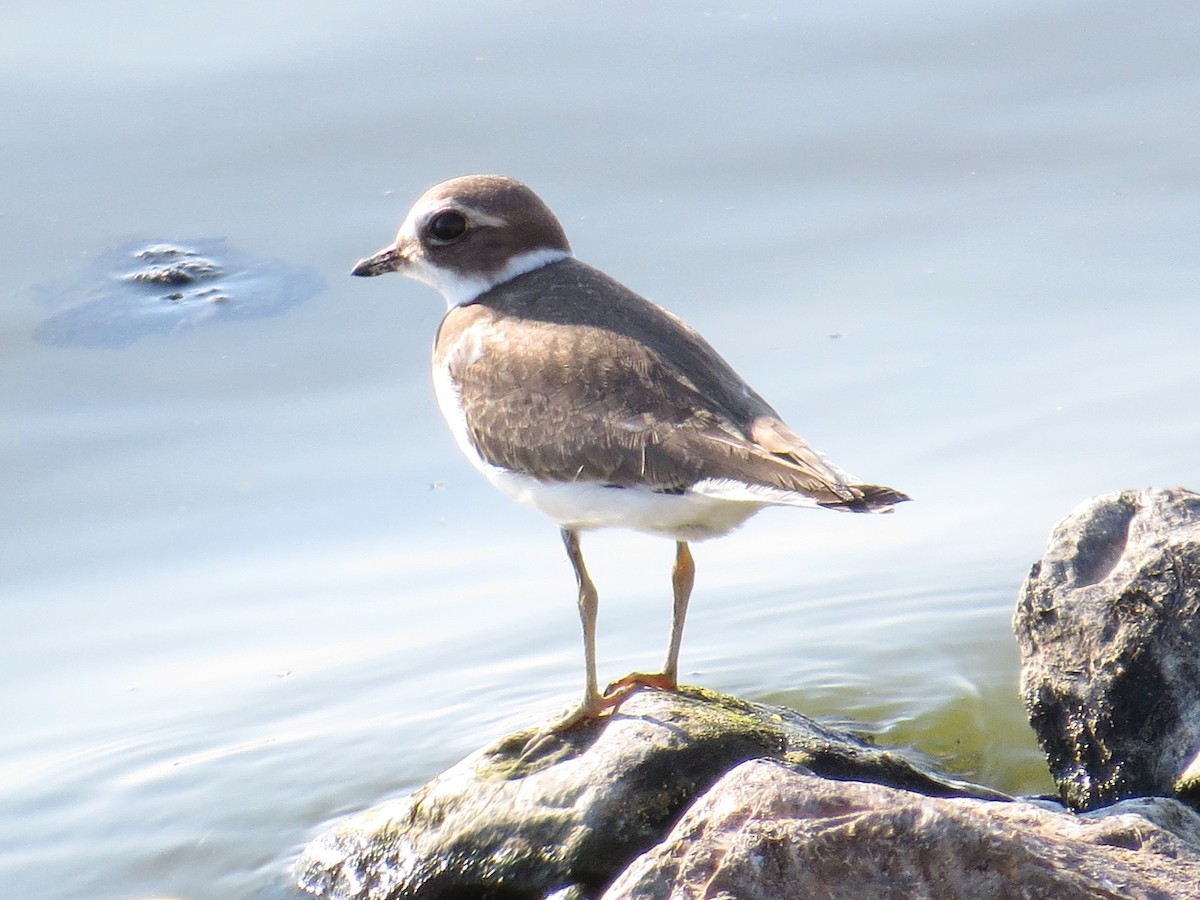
<point x="479" y="217"/>
<point x="423" y="211"/>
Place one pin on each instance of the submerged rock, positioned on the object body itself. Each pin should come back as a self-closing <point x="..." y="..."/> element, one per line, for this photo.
<point x="148" y="288"/>
<point x="531" y="816"/>
<point x="1108" y="624"/>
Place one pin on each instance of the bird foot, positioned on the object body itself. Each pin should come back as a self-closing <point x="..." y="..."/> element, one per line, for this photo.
<point x="600" y="706"/>
<point x="623" y="687"/>
<point x="603" y="705"/>
<point x="548" y="736"/>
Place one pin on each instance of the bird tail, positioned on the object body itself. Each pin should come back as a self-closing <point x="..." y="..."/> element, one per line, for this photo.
<point x="867" y="498"/>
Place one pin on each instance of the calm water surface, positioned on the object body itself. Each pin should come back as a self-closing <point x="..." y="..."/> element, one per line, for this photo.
<point x="248" y="584"/>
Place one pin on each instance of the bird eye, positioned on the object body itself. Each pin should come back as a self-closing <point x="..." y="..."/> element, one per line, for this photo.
<point x="447" y="226"/>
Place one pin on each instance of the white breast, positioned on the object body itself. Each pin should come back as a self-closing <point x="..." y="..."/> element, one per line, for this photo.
<point x="466" y="350"/>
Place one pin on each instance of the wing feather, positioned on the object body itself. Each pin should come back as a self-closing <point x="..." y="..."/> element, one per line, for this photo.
<point x="634" y="396"/>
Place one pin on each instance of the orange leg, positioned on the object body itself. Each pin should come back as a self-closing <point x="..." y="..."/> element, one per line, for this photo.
<point x="683" y="578"/>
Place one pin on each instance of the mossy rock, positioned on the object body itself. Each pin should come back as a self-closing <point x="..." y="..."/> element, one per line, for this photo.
<point x="563" y="813"/>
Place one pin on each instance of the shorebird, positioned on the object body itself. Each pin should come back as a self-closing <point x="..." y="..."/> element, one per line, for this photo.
<point x="576" y="396"/>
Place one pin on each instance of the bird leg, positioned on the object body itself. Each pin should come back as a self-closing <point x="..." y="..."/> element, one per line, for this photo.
<point x="683" y="578"/>
<point x="593" y="704"/>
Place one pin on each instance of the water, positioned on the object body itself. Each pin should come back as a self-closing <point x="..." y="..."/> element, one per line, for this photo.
<point x="250" y="586"/>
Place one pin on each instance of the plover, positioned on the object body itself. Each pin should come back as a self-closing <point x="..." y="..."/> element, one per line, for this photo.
<point x="578" y="397"/>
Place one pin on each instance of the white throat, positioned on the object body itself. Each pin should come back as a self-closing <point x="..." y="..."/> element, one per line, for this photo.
<point x="458" y="289"/>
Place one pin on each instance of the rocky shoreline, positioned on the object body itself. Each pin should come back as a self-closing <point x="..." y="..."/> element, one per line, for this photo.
<point x="698" y="794"/>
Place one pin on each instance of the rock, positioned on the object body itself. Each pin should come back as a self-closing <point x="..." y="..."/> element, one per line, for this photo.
<point x="1164" y="812"/>
<point x="1109" y="636"/>
<point x="1187" y="785"/>
<point x="697" y="794"/>
<point x="531" y="816"/>
<point x="164" y="288"/>
<point x="767" y="831"/>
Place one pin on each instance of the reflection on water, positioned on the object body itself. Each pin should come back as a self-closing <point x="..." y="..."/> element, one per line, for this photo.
<point x="249" y="583"/>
